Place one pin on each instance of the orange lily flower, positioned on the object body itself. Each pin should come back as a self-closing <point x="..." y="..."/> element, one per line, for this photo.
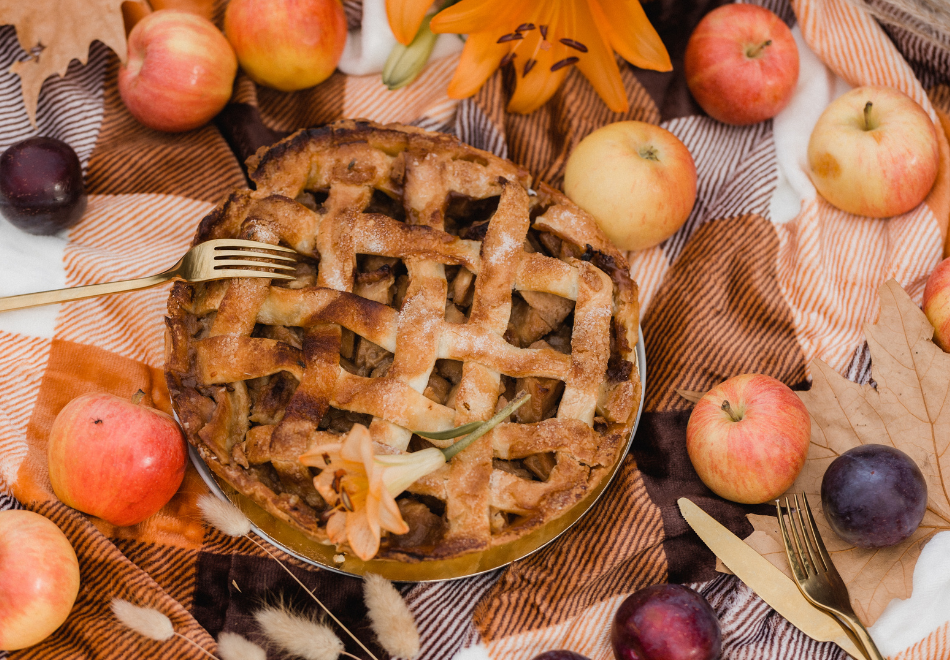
<point x="542" y="39"/>
<point x="362" y="487"/>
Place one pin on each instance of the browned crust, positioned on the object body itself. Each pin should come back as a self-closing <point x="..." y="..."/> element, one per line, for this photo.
<point x="279" y="171"/>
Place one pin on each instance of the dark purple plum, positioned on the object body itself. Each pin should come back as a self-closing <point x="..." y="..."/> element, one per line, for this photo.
<point x="666" y="622"/>
<point x="41" y="189"/>
<point x="560" y="654"/>
<point x="874" y="496"/>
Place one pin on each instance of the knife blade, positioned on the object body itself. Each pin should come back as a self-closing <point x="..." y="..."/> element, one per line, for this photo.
<point x="768" y="582"/>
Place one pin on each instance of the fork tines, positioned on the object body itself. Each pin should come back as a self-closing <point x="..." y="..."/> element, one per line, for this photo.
<point x="803" y="544"/>
<point x="224" y="248"/>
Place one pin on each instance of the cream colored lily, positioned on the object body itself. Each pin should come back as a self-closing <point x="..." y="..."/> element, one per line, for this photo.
<point x="362" y="486"/>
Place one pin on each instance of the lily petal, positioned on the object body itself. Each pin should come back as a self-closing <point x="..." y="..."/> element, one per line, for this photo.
<point x="362" y="533"/>
<point x="629" y="31"/>
<point x="314" y="457"/>
<point x="336" y="527"/>
<point x="538" y="86"/>
<point x="405" y="17"/>
<point x="480" y="58"/>
<point x="471" y="16"/>
<point x="599" y="65"/>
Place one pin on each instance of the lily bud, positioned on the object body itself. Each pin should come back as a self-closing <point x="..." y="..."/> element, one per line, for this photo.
<point x="406" y="62"/>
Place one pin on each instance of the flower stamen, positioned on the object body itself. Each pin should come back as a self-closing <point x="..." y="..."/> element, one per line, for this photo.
<point x="567" y="61"/>
<point x="528" y="66"/>
<point x="338" y="480"/>
<point x="525" y="27"/>
<point x="507" y="59"/>
<point x="576" y="45"/>
<point x="345" y="498"/>
<point x="505" y="38"/>
<point x="544" y="31"/>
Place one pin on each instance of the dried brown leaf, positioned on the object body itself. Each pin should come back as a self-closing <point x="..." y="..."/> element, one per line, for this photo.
<point x="909" y="409"/>
<point x="62" y="31"/>
<point x="691" y="395"/>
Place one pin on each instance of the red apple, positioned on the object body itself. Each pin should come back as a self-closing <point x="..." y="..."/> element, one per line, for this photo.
<point x="637" y="180"/>
<point x="741" y="64"/>
<point x="873" y="152"/>
<point x="180" y="71"/>
<point x="937" y="303"/>
<point x="748" y="438"/>
<point x="286" y="44"/>
<point x="39" y="578"/>
<point x="114" y="458"/>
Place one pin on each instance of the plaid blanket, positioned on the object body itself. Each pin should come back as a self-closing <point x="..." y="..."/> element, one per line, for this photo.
<point x="763" y="277"/>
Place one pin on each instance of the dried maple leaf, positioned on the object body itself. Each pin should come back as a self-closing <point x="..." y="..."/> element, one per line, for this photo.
<point x="909" y="409"/>
<point x="61" y="31"/>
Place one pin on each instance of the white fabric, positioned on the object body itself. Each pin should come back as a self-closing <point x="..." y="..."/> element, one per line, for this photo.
<point x="368" y="48"/>
<point x="906" y="622"/>
<point x="817" y="87"/>
<point x="30" y="263"/>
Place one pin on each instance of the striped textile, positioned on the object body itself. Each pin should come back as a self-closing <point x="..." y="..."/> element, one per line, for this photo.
<point x="763" y="277"/>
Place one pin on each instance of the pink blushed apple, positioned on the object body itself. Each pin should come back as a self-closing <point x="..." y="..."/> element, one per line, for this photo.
<point x="286" y="44"/>
<point x="39" y="578"/>
<point x="114" y="458"/>
<point x="637" y="180"/>
<point x="873" y="152"/>
<point x="741" y="64"/>
<point x="748" y="438"/>
<point x="180" y="71"/>
<point x="937" y="303"/>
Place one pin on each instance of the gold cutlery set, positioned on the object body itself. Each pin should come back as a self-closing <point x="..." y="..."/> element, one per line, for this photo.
<point x="817" y="601"/>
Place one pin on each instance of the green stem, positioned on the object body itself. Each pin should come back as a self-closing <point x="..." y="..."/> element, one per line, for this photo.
<point x="729" y="411"/>
<point x="755" y="50"/>
<point x="501" y="416"/>
<point x="867" y="116"/>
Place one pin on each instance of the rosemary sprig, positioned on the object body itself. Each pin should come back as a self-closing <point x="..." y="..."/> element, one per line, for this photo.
<point x="485" y="427"/>
<point x="451" y="433"/>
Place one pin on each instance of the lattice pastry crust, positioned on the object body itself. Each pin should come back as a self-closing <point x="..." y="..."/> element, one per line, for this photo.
<point x="434" y="285"/>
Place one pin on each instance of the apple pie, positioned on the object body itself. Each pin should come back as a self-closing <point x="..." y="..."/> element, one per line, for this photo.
<point x="433" y="285"/>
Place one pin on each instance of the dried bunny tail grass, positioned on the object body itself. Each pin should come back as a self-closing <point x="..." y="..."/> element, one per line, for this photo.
<point x="390" y="617"/>
<point x="228" y="519"/>
<point x="143" y="620"/>
<point x="149" y="622"/>
<point x="224" y="516"/>
<point x="232" y="646"/>
<point x="299" y="635"/>
<point x="927" y="19"/>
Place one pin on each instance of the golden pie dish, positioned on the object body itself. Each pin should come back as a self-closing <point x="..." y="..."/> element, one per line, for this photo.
<point x="433" y="286"/>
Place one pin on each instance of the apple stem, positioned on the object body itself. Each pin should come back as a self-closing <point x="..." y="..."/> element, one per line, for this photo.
<point x="649" y="153"/>
<point x="867" y="116"/>
<point x="729" y="411"/>
<point x="137" y="397"/>
<point x="755" y="50"/>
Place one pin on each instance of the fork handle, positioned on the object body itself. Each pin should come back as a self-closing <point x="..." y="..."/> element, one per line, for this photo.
<point x="79" y="292"/>
<point x="863" y="636"/>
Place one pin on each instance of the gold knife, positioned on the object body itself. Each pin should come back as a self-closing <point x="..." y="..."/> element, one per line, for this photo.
<point x="769" y="583"/>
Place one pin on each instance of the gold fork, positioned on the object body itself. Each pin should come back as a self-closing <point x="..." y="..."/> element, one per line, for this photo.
<point x="815" y="574"/>
<point x="207" y="261"/>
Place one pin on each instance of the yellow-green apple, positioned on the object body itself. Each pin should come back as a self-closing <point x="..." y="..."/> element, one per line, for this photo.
<point x="873" y="152"/>
<point x="39" y="578"/>
<point x="180" y="71"/>
<point x="116" y="459"/>
<point x="637" y="180"/>
<point x="748" y="438"/>
<point x="741" y="64"/>
<point x="937" y="303"/>
<point x="286" y="44"/>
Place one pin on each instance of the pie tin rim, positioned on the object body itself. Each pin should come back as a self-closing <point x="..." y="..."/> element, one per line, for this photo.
<point x="293" y="542"/>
